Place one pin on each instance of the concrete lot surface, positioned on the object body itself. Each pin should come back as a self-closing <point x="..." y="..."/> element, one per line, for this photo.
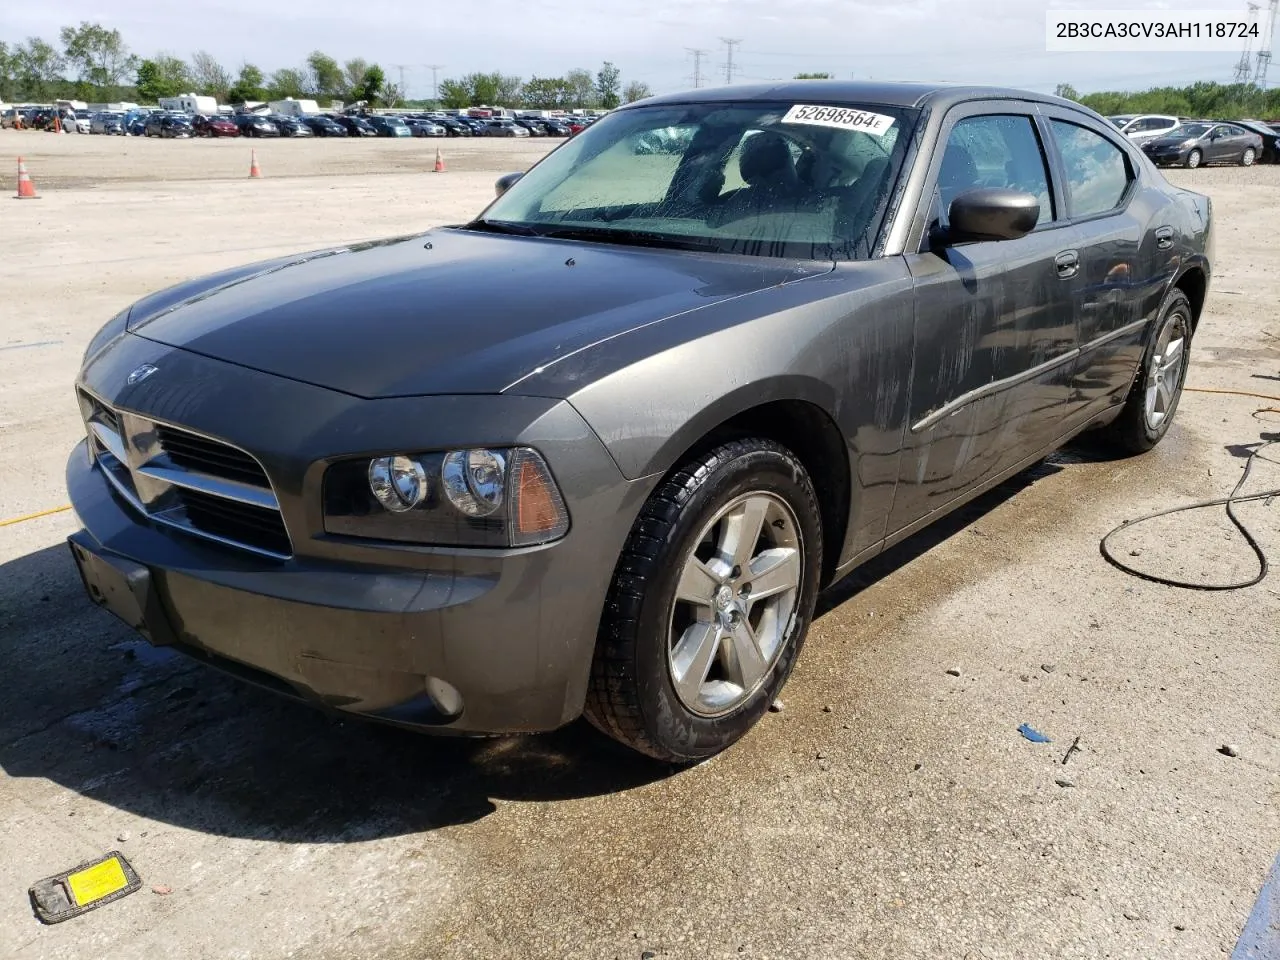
<point x="889" y="810"/>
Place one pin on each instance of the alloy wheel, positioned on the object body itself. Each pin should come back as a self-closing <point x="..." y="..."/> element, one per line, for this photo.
<point x="1193" y="159"/>
<point x="1164" y="375"/>
<point x="734" y="603"/>
<point x="1247" y="159"/>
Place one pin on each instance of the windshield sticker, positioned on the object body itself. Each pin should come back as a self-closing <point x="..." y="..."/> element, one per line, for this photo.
<point x="842" y="118"/>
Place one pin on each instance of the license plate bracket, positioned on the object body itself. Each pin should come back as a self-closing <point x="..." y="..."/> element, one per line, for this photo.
<point x="122" y="587"/>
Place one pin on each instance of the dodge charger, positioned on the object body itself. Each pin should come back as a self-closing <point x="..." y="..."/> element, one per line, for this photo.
<point x="826" y="316"/>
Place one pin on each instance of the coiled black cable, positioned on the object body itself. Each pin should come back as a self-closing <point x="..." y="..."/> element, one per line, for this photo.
<point x="1229" y="502"/>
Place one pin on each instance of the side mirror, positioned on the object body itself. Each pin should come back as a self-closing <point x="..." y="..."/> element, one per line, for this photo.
<point x="504" y="183"/>
<point x="992" y="213"/>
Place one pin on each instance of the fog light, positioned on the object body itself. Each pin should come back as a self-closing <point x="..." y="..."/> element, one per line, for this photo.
<point x="399" y="483"/>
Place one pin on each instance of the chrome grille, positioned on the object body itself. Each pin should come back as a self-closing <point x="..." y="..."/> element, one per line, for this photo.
<point x="185" y="480"/>
<point x="192" y="452"/>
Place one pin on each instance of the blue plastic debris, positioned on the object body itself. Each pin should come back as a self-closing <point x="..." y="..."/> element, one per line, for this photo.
<point x="1032" y="734"/>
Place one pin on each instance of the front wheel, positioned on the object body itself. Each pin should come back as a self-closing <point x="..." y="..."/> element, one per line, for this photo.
<point x="709" y="604"/>
<point x="1247" y="158"/>
<point x="1153" y="397"/>
<point x="1194" y="158"/>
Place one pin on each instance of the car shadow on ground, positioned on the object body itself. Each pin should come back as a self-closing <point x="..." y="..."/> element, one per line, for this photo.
<point x="92" y="708"/>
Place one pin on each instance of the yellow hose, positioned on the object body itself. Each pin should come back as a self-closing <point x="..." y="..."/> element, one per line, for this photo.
<point x="34" y="516"/>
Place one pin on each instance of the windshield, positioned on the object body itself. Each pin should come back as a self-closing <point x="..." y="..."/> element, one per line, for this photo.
<point x="1192" y="131"/>
<point x="763" y="179"/>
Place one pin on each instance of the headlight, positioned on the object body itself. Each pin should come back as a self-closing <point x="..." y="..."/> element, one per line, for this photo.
<point x="472" y="498"/>
<point x="398" y="483"/>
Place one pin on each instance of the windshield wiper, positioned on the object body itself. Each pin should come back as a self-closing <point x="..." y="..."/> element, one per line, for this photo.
<point x="634" y="238"/>
<point x="503" y="226"/>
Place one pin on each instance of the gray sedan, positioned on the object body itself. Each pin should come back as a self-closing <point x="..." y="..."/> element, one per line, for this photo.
<point x="830" y="314"/>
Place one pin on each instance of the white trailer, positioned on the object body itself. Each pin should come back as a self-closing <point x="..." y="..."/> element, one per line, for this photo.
<point x="190" y="103"/>
<point x="289" y="107"/>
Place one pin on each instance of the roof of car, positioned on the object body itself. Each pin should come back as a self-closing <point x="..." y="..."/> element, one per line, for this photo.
<point x="895" y="94"/>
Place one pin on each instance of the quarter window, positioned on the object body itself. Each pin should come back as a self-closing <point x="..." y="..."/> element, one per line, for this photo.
<point x="1097" y="170"/>
<point x="994" y="151"/>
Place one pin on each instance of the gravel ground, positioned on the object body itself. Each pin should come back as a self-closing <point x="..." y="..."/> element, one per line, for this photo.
<point x="889" y="810"/>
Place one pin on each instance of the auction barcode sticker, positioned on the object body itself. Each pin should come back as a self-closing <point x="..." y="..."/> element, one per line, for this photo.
<point x="843" y="118"/>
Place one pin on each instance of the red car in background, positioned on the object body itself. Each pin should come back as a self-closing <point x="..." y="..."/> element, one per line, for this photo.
<point x="214" y="127"/>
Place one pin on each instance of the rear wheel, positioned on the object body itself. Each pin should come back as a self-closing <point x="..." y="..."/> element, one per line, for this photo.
<point x="1194" y="158"/>
<point x="1247" y="158"/>
<point x="710" y="602"/>
<point x="1153" y="397"/>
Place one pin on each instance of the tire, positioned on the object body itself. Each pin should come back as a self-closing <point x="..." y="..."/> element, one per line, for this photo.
<point x="1193" y="159"/>
<point x="1247" y="158"/>
<point x="633" y="694"/>
<point x="1137" y="429"/>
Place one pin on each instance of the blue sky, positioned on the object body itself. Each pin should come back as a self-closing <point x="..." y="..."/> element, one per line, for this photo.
<point x="988" y="41"/>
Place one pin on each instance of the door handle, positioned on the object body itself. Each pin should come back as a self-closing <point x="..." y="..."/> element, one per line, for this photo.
<point x="1067" y="263"/>
<point x="1164" y="238"/>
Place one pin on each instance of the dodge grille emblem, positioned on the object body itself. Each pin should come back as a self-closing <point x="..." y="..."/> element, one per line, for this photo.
<point x="141" y="374"/>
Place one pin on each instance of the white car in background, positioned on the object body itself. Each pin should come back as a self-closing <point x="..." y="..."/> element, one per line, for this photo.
<point x="1145" y="126"/>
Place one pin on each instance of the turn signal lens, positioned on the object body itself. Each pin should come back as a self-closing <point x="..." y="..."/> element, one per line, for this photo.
<point x="538" y="513"/>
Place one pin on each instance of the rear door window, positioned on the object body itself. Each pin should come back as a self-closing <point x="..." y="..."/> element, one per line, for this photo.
<point x="1098" y="173"/>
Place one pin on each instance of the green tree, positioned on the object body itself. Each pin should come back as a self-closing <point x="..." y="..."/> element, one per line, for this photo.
<point x="287" y="82"/>
<point x="353" y="72"/>
<point x="248" y="85"/>
<point x="8" y="73"/>
<point x="1066" y="91"/>
<point x="608" y="86"/>
<point x="482" y="88"/>
<point x="508" y="92"/>
<point x="209" y="77"/>
<point x="390" y="95"/>
<point x="327" y="79"/>
<point x="635" y="90"/>
<point x="545" y="93"/>
<point x="580" y="88"/>
<point x="371" y="86"/>
<point x="455" y="94"/>
<point x="37" y="69"/>
<point x="813" y="76"/>
<point x="99" y="55"/>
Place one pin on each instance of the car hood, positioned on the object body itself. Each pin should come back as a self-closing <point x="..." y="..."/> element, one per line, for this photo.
<point x="450" y="311"/>
<point x="1171" y="141"/>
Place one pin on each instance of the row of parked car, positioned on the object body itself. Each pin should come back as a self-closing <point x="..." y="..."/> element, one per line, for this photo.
<point x="168" y="124"/>
<point x="1188" y="142"/>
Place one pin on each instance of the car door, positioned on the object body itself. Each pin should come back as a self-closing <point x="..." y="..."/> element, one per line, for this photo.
<point x="1120" y="261"/>
<point x="995" y="329"/>
<point x="1222" y="145"/>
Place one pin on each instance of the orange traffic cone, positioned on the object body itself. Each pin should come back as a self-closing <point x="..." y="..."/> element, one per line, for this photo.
<point x="439" y="161"/>
<point x="26" y="189"/>
<point x="255" y="171"/>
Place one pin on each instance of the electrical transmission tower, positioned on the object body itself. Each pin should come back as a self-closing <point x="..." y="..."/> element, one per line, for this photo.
<point x="403" y="90"/>
<point x="1264" y="50"/>
<point x="435" y="69"/>
<point x="697" y="65"/>
<point x="728" y="62"/>
<point x="1244" y="66"/>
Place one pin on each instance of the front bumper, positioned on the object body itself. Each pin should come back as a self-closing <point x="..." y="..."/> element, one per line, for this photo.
<point x="468" y="641"/>
<point x="1167" y="158"/>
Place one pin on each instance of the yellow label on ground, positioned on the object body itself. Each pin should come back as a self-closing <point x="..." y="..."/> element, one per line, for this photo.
<point x="96" y="882"/>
